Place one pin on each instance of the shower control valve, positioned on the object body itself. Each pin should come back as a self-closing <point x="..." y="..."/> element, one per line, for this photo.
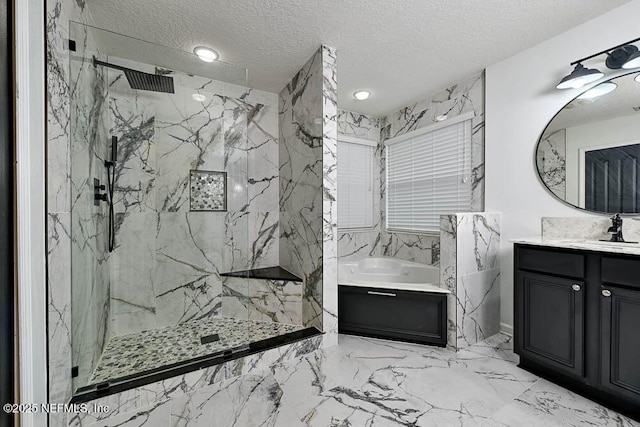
<point x="97" y="192"/>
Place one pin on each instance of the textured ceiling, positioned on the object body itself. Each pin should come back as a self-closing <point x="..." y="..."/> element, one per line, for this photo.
<point x="402" y="50"/>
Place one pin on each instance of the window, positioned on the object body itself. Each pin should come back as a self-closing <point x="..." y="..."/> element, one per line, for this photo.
<point x="355" y="183"/>
<point x="429" y="174"/>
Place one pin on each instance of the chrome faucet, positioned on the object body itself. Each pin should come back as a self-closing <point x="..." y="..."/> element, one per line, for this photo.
<point x="616" y="229"/>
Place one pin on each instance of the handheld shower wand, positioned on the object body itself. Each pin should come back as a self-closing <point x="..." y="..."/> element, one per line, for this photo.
<point x="111" y="182"/>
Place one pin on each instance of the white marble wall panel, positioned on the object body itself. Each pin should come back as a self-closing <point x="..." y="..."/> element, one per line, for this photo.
<point x="301" y="183"/>
<point x="277" y="301"/>
<point x="59" y="306"/>
<point x="470" y="269"/>
<point x="358" y="244"/>
<point x="449" y="273"/>
<point x="327" y="290"/>
<point x="133" y="297"/>
<point x="478" y="306"/>
<point x="132" y="121"/>
<point x="590" y="228"/>
<point x="551" y="159"/>
<point x="189" y="135"/>
<point x="358" y="125"/>
<point x="422" y="248"/>
<point x="189" y="256"/>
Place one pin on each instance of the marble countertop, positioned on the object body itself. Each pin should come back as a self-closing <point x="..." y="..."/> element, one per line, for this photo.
<point x="583" y="244"/>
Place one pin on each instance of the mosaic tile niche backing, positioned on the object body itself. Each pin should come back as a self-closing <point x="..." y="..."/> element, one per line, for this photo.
<point x="208" y="191"/>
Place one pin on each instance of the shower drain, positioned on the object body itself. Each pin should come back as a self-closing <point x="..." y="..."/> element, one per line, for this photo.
<point x="209" y="338"/>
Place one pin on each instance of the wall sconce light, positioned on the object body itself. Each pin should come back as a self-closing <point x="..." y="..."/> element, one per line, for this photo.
<point x="579" y="77"/>
<point x="626" y="56"/>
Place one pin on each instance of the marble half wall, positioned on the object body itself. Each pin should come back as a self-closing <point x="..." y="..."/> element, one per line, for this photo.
<point x="362" y="243"/>
<point x="470" y="269"/>
<point x="148" y="405"/>
<point x="307" y="180"/>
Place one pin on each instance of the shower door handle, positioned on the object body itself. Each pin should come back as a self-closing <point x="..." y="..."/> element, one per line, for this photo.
<point x="384" y="294"/>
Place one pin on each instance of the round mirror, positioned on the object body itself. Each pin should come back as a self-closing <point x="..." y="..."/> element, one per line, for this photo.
<point x="589" y="153"/>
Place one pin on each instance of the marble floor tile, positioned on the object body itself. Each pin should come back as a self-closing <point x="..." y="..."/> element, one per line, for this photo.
<point x="378" y="383"/>
<point x="548" y="404"/>
<point x="372" y="382"/>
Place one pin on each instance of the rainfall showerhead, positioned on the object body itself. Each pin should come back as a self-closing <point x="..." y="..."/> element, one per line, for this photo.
<point x="140" y="80"/>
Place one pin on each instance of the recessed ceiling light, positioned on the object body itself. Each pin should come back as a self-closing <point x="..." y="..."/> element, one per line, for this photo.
<point x="361" y="95"/>
<point x="441" y="118"/>
<point x="199" y="97"/>
<point x="206" y="54"/>
<point x="596" y="91"/>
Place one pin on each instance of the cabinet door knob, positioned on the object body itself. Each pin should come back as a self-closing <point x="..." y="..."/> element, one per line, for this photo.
<point x="576" y="287"/>
<point x="606" y="292"/>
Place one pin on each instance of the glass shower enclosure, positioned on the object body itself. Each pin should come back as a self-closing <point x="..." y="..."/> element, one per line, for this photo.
<point x="174" y="232"/>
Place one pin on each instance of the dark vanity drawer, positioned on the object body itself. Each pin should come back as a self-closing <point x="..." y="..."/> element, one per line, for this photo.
<point x="394" y="314"/>
<point x="621" y="271"/>
<point x="551" y="262"/>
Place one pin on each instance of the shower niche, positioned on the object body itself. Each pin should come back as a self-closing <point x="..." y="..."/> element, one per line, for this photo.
<point x="178" y="259"/>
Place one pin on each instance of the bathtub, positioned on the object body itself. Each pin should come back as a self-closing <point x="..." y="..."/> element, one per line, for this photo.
<point x="389" y="273"/>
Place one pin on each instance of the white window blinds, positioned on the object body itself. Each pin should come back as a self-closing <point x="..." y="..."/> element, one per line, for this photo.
<point x="429" y="174"/>
<point x="355" y="183"/>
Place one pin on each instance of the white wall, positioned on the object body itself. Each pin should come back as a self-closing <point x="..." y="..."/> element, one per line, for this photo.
<point x="619" y="131"/>
<point x="520" y="99"/>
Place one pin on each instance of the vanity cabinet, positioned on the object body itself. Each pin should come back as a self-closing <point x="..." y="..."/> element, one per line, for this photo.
<point x="552" y="310"/>
<point x="577" y="321"/>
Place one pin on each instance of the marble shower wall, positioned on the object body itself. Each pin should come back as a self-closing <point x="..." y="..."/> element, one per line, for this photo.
<point x="463" y="97"/>
<point x="326" y="294"/>
<point x="150" y="404"/>
<point x="277" y="301"/>
<point x="357" y="244"/>
<point x="308" y="144"/>
<point x="168" y="258"/>
<point x="470" y="269"/>
<point x="551" y="158"/>
<point x="59" y="14"/>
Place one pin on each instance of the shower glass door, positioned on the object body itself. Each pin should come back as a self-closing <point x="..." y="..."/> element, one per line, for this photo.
<point x="160" y="207"/>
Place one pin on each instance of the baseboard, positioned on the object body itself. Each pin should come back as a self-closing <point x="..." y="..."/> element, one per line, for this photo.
<point x="506" y="328"/>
